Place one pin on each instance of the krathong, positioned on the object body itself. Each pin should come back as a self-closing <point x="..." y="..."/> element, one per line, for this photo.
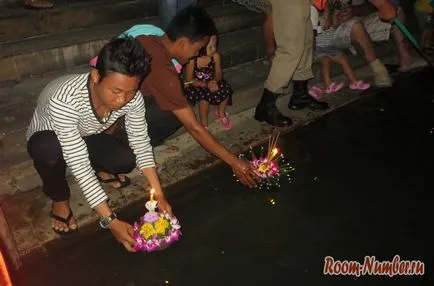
<point x="155" y="231"/>
<point x="270" y="167"/>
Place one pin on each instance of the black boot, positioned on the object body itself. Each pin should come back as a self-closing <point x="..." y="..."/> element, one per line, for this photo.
<point x="301" y="99"/>
<point x="267" y="111"/>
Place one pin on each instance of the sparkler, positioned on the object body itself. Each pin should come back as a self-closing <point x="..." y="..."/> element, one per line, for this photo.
<point x="271" y="167"/>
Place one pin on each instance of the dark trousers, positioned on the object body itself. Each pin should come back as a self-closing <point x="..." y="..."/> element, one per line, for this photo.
<point x="161" y="124"/>
<point x="106" y="154"/>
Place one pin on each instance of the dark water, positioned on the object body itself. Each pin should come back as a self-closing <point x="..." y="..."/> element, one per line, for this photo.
<point x="362" y="186"/>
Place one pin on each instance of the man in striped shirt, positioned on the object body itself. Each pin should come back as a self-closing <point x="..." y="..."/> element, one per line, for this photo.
<point x="67" y="130"/>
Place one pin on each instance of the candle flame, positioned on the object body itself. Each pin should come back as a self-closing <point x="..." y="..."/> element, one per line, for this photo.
<point x="152" y="194"/>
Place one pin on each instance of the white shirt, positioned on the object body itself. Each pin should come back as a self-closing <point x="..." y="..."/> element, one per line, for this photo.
<point x="64" y="107"/>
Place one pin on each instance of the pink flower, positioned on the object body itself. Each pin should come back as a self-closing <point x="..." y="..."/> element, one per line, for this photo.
<point x="150" y="217"/>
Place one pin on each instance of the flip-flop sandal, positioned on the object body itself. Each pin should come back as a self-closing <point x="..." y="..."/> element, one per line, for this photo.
<point x="123" y="184"/>
<point x="33" y="6"/>
<point x="334" y="87"/>
<point x="225" y="122"/>
<point x="65" y="221"/>
<point x="159" y="167"/>
<point x="169" y="149"/>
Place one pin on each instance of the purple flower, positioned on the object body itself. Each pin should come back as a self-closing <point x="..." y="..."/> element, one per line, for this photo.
<point x="150" y="217"/>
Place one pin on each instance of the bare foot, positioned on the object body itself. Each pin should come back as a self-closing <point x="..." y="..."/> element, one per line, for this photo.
<point x="107" y="178"/>
<point x="62" y="209"/>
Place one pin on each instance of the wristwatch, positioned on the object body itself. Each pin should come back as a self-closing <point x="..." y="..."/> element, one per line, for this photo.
<point x="104" y="222"/>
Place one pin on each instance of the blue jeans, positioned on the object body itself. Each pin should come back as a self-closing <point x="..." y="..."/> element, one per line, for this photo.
<point x="167" y="9"/>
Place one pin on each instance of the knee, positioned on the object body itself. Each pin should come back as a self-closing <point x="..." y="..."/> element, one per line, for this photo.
<point x="44" y="147"/>
<point x="123" y="163"/>
<point x="357" y="28"/>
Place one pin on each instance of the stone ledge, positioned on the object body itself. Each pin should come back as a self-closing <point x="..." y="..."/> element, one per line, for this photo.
<point x="40" y="55"/>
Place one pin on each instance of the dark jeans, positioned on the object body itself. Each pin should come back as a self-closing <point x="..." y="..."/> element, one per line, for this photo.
<point x="161" y="124"/>
<point x="106" y="154"/>
<point x="167" y="9"/>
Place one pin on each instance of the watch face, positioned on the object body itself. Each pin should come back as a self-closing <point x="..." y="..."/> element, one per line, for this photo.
<point x="103" y="223"/>
<point x="107" y="220"/>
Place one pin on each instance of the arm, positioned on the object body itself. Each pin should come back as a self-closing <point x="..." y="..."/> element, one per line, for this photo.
<point x="137" y="130"/>
<point x="386" y="10"/>
<point x="190" y="77"/>
<point x="335" y="19"/>
<point x="218" y="67"/>
<point x="241" y="169"/>
<point x="187" y="117"/>
<point x="328" y="21"/>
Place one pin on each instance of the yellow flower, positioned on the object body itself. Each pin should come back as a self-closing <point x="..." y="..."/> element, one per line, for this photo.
<point x="161" y="225"/>
<point x="147" y="230"/>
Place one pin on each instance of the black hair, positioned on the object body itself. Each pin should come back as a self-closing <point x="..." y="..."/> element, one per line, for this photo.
<point x="202" y="51"/>
<point x="192" y="22"/>
<point x="123" y="55"/>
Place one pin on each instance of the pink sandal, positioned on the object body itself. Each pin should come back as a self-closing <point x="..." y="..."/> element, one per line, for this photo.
<point x="315" y="92"/>
<point x="333" y="87"/>
<point x="224" y="120"/>
<point x="360" y="85"/>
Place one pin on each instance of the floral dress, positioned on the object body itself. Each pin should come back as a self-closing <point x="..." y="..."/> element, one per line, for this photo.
<point x="206" y="74"/>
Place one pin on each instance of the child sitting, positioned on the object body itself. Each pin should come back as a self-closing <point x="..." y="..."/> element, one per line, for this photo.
<point x="205" y="84"/>
<point x="331" y="19"/>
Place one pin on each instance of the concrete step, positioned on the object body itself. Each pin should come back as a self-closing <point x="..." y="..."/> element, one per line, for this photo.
<point x="35" y="56"/>
<point x="236" y="47"/>
<point x="68" y="16"/>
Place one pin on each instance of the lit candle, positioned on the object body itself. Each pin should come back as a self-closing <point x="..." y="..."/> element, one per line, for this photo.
<point x="274" y="153"/>
<point x="152" y="194"/>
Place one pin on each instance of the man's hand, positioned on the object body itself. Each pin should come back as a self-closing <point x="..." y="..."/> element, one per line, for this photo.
<point x="163" y="205"/>
<point x="123" y="232"/>
<point x="213" y="86"/>
<point x="245" y="173"/>
<point x="386" y="10"/>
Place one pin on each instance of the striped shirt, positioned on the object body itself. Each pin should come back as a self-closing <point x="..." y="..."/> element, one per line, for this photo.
<point x="64" y="107"/>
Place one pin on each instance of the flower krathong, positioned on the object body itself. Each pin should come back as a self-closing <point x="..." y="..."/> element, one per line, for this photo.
<point x="270" y="167"/>
<point x="155" y="231"/>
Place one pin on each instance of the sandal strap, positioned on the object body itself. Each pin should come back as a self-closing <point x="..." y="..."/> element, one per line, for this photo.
<point x="62" y="219"/>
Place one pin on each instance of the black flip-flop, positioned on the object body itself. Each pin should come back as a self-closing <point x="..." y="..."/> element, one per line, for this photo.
<point x="65" y="221"/>
<point x="123" y="184"/>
